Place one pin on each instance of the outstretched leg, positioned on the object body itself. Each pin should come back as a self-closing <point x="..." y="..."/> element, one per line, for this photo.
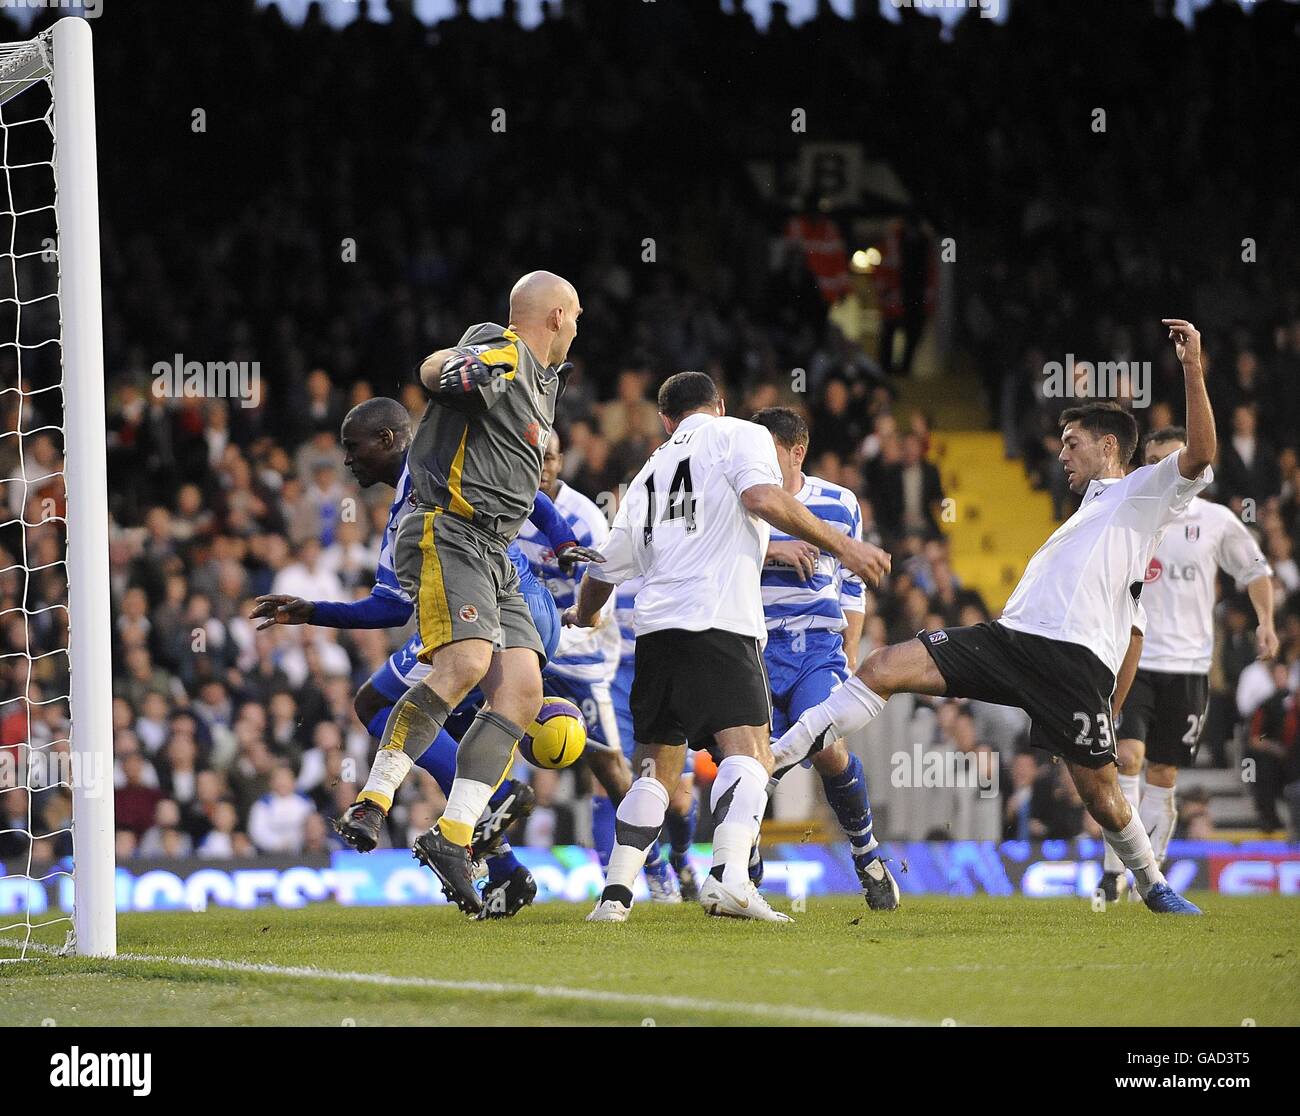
<point x="900" y="668"/>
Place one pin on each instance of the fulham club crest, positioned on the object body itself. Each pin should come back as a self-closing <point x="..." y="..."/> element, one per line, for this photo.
<point x="1192" y="532"/>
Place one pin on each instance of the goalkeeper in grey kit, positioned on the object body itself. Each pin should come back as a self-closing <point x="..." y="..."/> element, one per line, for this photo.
<point x="475" y="462"/>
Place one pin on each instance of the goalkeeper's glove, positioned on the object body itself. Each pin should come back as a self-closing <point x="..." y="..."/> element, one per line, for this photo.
<point x="571" y="554"/>
<point x="464" y="371"/>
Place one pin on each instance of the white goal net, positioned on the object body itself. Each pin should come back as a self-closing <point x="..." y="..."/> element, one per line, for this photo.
<point x="56" y="789"/>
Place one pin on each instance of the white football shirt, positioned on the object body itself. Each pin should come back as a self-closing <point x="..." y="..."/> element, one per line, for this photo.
<point x="1081" y="585"/>
<point x="1179" y="589"/>
<point x="683" y="529"/>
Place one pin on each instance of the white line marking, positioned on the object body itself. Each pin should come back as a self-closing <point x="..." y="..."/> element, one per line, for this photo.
<point x="823" y="1016"/>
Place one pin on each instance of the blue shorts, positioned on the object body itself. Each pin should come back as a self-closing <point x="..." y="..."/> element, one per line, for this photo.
<point x="621" y="691"/>
<point x="802" y="669"/>
<point x="403" y="669"/>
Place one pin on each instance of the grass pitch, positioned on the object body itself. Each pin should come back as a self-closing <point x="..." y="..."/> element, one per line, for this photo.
<point x="971" y="961"/>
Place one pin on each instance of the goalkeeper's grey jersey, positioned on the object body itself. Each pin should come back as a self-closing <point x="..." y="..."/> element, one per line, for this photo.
<point x="480" y="456"/>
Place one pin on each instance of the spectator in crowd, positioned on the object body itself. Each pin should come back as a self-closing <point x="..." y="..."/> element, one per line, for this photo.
<point x="1247" y="463"/>
<point x="277" y="822"/>
<point x="1275" y="747"/>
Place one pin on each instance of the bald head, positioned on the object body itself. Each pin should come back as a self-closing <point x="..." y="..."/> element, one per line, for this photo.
<point x="544" y="310"/>
<point x="538" y="293"/>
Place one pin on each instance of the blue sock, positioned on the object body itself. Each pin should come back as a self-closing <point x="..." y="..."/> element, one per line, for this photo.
<point x="501" y="866"/>
<point x="602" y="827"/>
<point x="847" y="795"/>
<point x="654" y="857"/>
<point x="439" y="760"/>
<point x="681" y="829"/>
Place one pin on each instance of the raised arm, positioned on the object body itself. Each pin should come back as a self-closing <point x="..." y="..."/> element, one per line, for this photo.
<point x="774" y="504"/>
<point x="1202" y="441"/>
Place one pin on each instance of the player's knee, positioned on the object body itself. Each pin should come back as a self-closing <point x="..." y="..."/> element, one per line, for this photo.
<point x="1129" y="756"/>
<point x="526" y="691"/>
<point x="1162" y="774"/>
<point x="878" y="671"/>
<point x="459" y="667"/>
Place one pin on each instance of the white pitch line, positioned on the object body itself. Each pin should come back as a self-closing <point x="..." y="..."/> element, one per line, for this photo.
<point x="541" y="991"/>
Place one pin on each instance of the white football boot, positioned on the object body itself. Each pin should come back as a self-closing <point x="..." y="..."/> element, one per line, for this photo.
<point x="724" y="903"/>
<point x="609" y="910"/>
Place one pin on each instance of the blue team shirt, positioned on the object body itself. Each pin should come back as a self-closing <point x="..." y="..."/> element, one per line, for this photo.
<point x="818" y="604"/>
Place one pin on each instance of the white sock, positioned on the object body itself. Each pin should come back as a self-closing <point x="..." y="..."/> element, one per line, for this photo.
<point x="738" y="802"/>
<point x="638" y="819"/>
<point x="1131" y="788"/>
<point x="1159" y="814"/>
<point x="391" y="766"/>
<point x="1133" y="848"/>
<point x="465" y="805"/>
<point x="847" y="709"/>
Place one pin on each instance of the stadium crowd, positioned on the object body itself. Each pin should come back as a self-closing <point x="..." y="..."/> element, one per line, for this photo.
<point x="344" y="207"/>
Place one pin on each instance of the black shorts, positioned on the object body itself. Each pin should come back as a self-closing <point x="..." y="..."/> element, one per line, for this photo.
<point x="1064" y="687"/>
<point x="1166" y="712"/>
<point x="689" y="685"/>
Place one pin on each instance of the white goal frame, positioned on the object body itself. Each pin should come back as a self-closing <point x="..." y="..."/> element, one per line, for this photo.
<point x="63" y="56"/>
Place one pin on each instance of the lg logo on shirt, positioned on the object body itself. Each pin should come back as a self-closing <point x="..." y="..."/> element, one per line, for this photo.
<point x="1156" y="569"/>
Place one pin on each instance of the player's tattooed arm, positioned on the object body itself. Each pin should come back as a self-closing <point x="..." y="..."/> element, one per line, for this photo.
<point x="1202" y="440"/>
<point x="591" y="598"/>
<point x="1127" y="669"/>
<point x="785" y="513"/>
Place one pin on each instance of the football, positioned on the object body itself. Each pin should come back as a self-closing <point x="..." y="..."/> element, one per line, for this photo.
<point x="557" y="737"/>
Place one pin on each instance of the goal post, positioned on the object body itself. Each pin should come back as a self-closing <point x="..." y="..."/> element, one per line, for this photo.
<point x="63" y="113"/>
<point x="86" y="481"/>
